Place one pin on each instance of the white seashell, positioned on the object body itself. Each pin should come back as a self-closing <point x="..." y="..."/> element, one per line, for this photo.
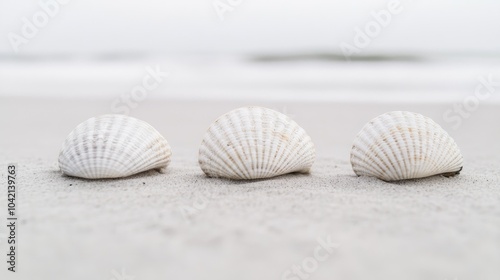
<point x="113" y="146"/>
<point x="255" y="143"/>
<point x="404" y="145"/>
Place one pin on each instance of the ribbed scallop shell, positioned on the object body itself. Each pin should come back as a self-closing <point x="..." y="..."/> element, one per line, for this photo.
<point x="113" y="146"/>
<point x="255" y="143"/>
<point x="404" y="145"/>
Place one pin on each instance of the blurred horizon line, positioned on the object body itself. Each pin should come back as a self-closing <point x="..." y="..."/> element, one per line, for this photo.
<point x="256" y="56"/>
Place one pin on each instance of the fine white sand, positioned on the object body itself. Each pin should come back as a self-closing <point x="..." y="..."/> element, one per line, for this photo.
<point x="182" y="225"/>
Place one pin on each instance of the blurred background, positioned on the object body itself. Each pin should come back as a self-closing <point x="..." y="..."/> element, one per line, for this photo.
<point x="257" y="49"/>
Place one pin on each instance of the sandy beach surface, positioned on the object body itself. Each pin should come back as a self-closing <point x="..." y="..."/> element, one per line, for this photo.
<point x="181" y="225"/>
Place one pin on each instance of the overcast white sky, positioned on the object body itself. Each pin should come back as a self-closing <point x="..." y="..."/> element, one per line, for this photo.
<point x="96" y="26"/>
